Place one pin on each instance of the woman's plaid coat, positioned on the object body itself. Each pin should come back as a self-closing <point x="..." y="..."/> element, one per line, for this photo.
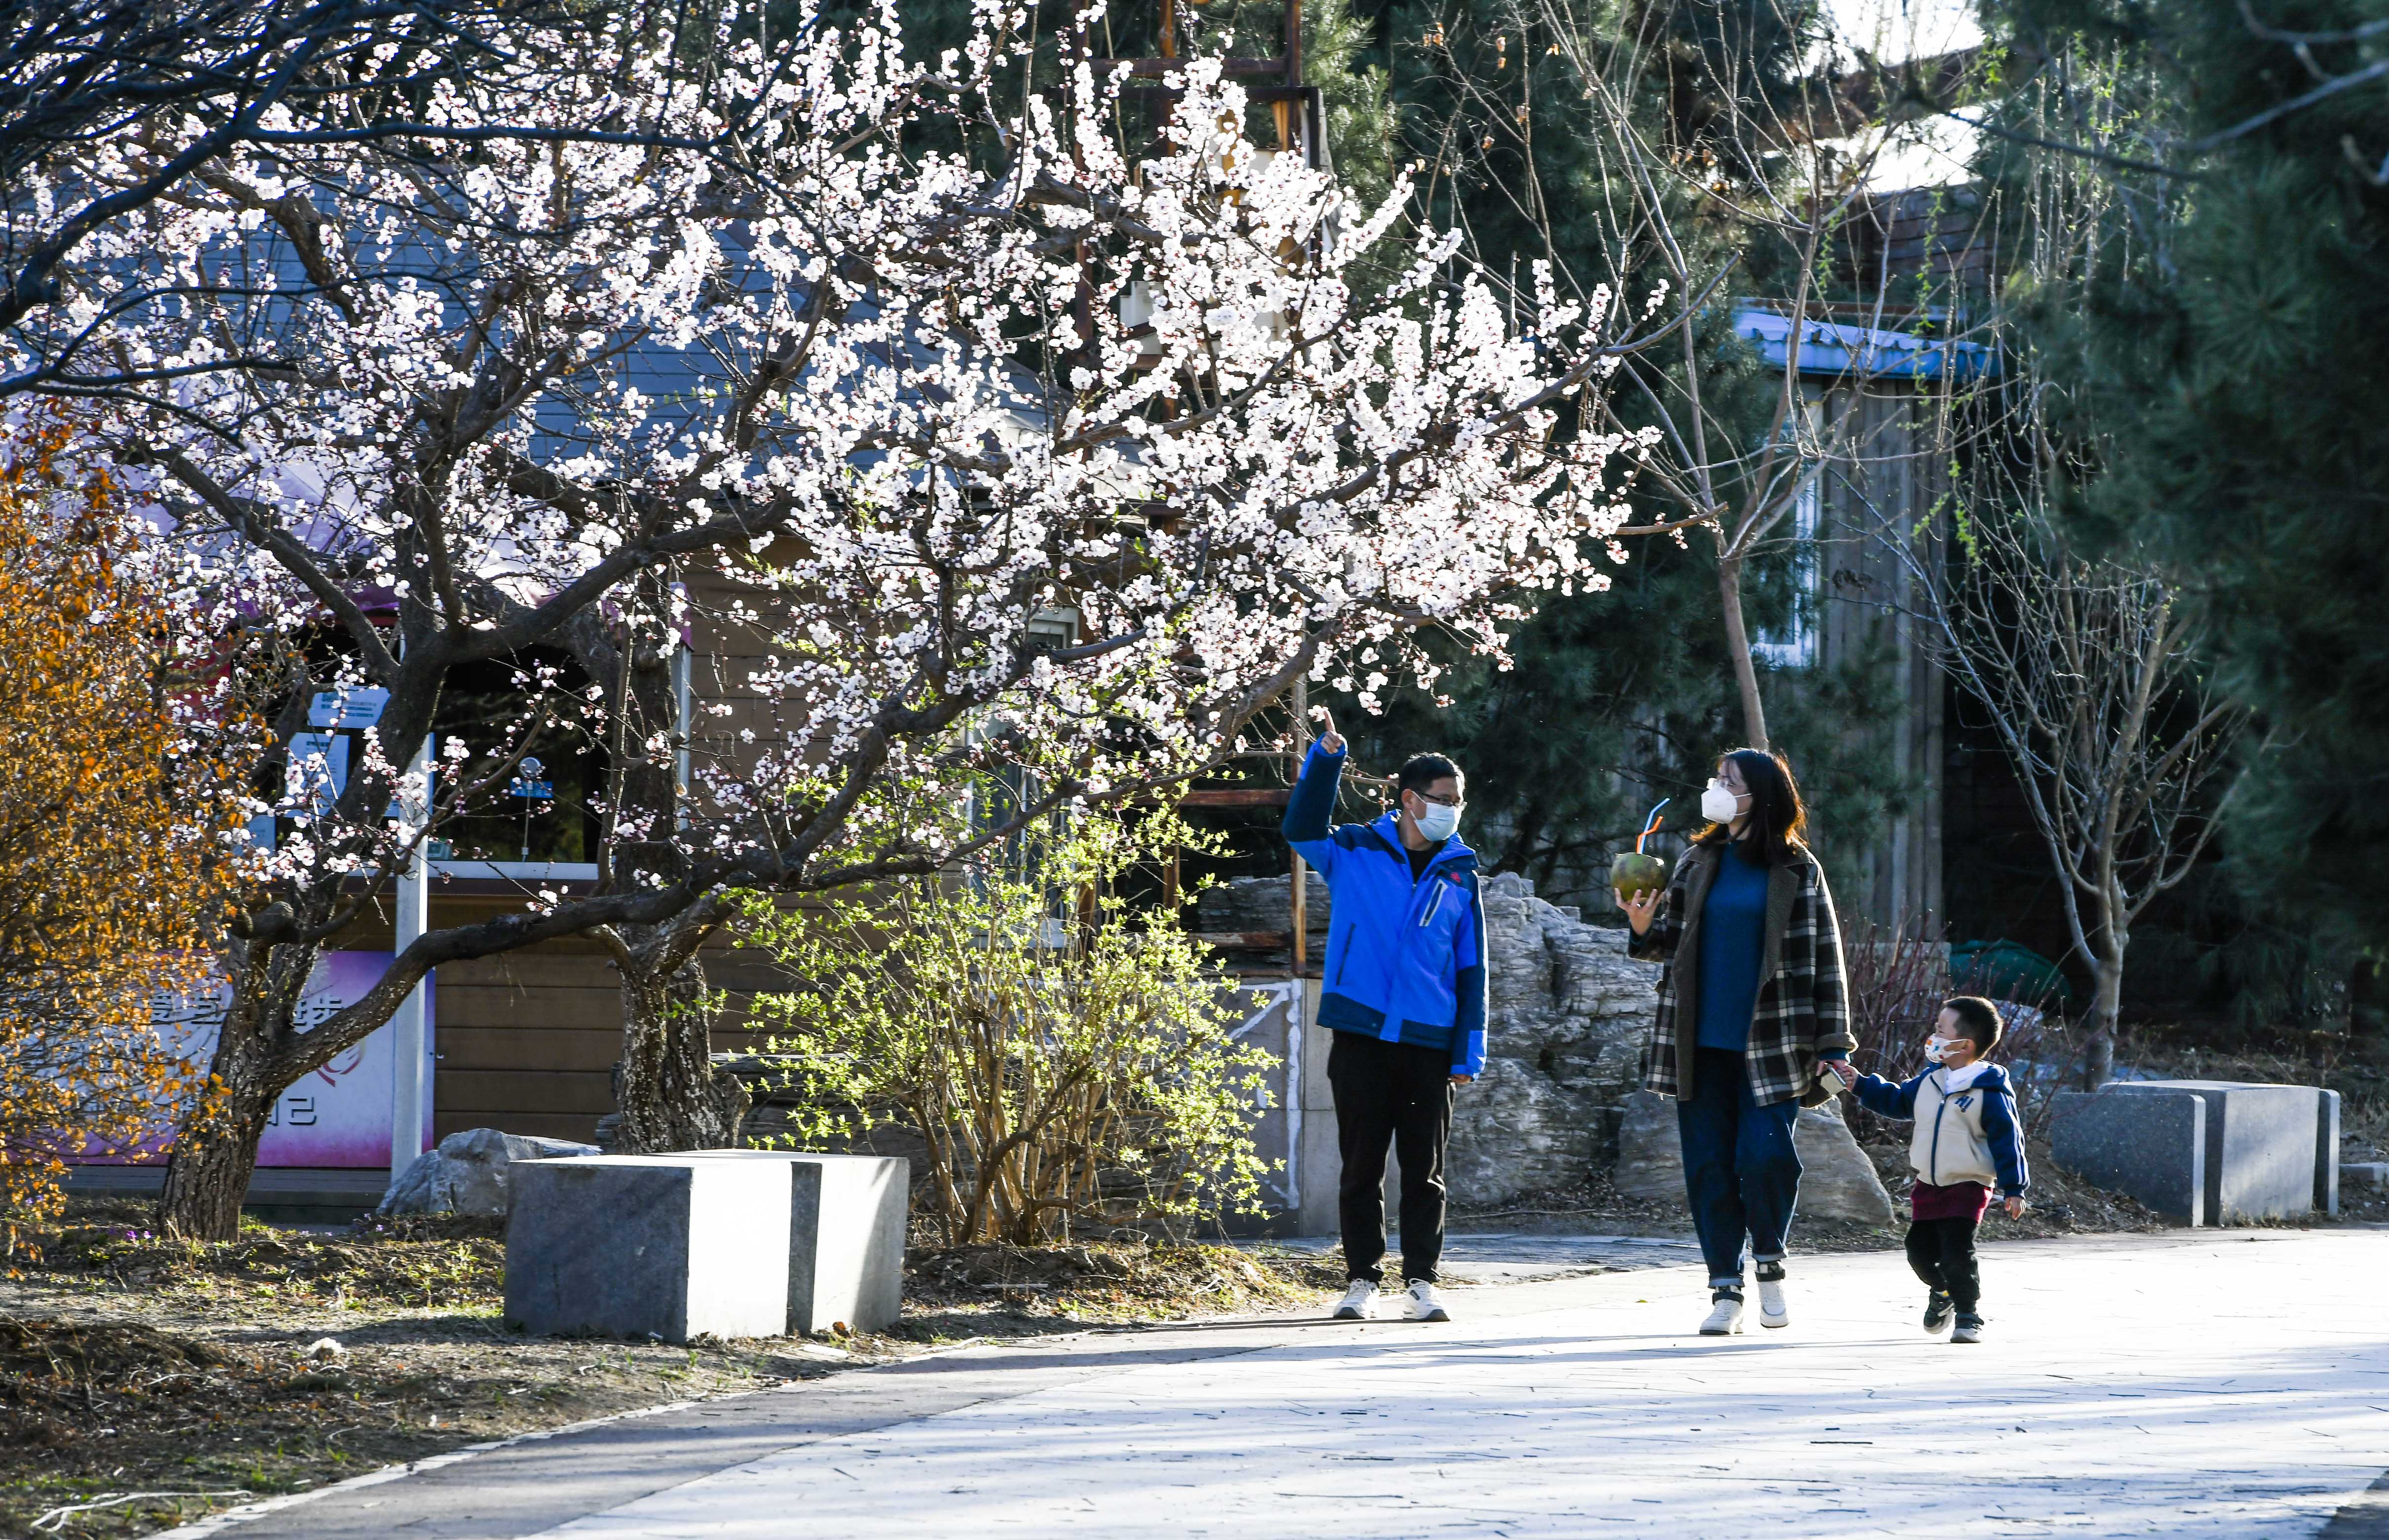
<point x="1803" y="1010"/>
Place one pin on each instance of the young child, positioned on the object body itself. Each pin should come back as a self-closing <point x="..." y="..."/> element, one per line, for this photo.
<point x="1966" y="1140"/>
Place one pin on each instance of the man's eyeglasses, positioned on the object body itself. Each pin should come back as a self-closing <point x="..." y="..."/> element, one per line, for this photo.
<point x="1439" y="801"/>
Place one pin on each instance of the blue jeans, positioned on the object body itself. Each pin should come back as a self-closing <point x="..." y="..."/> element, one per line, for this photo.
<point x="1741" y="1171"/>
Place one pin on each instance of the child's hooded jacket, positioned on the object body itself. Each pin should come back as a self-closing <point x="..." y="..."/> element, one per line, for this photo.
<point x="1965" y="1124"/>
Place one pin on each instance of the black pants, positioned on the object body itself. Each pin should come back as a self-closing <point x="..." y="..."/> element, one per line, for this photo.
<point x="1402" y="1093"/>
<point x="1942" y="1252"/>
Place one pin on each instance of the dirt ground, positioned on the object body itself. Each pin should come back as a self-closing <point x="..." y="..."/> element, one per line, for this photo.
<point x="198" y="1375"/>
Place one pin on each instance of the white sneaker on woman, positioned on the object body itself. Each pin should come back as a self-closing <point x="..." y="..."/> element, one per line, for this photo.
<point x="1359" y="1301"/>
<point x="1773" y="1311"/>
<point x="1425" y="1306"/>
<point x="1725" y="1317"/>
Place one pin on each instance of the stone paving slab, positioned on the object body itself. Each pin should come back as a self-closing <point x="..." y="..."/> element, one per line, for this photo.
<point x="2237" y="1388"/>
<point x="2207" y="1383"/>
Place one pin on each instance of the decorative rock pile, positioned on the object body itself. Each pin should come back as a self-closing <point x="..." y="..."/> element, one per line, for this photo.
<point x="1569" y="1011"/>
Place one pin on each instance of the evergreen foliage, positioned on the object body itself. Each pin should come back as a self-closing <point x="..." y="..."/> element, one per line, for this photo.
<point x="2228" y="363"/>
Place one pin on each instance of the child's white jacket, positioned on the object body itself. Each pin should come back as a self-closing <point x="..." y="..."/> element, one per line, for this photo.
<point x="1965" y="1124"/>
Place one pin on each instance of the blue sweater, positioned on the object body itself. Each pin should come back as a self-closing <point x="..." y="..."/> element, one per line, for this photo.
<point x="1732" y="945"/>
<point x="1405" y="959"/>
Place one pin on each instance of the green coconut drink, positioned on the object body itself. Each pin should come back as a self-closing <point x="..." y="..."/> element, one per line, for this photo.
<point x="1635" y="871"/>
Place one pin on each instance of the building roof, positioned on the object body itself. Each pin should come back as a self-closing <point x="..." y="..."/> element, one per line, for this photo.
<point x="1829" y="348"/>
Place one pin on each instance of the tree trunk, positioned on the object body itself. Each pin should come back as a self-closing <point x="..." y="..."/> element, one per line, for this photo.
<point x="1737" y="641"/>
<point x="669" y="1096"/>
<point x="2106" y="1000"/>
<point x="216" y="1150"/>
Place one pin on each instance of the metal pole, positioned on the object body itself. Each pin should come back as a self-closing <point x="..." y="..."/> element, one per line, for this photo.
<point x="1300" y="904"/>
<point x="410" y="1027"/>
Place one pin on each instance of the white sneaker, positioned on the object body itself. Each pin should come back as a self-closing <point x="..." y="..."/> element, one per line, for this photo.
<point x="1359" y="1302"/>
<point x="1773" y="1311"/>
<point x="1425" y="1306"/>
<point x="1725" y="1317"/>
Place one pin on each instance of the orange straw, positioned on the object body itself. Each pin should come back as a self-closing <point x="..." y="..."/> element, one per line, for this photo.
<point x="1654" y="823"/>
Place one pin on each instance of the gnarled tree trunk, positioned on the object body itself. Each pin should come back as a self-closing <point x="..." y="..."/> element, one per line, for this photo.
<point x="667" y="1093"/>
<point x="215" y="1149"/>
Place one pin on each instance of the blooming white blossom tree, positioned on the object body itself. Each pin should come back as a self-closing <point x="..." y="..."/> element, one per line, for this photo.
<point x="1030" y="453"/>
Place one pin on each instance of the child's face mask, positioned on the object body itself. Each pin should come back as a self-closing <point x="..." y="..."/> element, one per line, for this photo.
<point x="1936" y="1049"/>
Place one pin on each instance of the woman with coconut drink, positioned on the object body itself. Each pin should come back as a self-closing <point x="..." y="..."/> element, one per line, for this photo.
<point x="1752" y="1023"/>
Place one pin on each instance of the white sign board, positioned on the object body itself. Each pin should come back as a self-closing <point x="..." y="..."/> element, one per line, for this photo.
<point x="356" y="706"/>
<point x="337" y="1116"/>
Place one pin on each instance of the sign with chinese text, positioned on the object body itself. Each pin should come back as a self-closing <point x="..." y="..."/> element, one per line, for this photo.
<point x="337" y="1116"/>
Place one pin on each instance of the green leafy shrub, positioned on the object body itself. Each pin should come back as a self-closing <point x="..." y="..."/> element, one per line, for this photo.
<point x="1065" y="1061"/>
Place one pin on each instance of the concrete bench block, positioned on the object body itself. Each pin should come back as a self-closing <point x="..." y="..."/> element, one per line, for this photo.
<point x="2262" y="1145"/>
<point x="2150" y="1147"/>
<point x="672" y="1246"/>
<point x="2326" y="1168"/>
<point x="846" y="1218"/>
<point x="2372" y="1176"/>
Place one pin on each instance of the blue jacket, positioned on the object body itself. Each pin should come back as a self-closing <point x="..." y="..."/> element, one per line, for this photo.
<point x="1968" y="1134"/>
<point x="1405" y="960"/>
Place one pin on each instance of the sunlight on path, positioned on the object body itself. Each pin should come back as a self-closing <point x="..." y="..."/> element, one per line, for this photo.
<point x="2238" y="1387"/>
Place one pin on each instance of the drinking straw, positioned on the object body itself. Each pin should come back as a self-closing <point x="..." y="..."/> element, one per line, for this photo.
<point x="1651" y="824"/>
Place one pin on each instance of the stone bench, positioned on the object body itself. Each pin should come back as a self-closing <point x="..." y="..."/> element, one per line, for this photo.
<point x="727" y="1243"/>
<point x="2204" y="1151"/>
<point x="847" y="1218"/>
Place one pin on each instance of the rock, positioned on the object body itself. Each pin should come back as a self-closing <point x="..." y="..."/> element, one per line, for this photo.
<point x="1650" y="1153"/>
<point x="1837" y="1181"/>
<point x="2372" y="1176"/>
<point x="847" y="1219"/>
<point x="1568" y="1011"/>
<point x="468" y="1173"/>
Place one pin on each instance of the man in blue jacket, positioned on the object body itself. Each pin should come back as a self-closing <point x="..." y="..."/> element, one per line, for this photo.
<point x="1404" y="992"/>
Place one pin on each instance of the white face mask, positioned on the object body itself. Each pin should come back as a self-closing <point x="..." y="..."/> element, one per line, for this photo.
<point x="1936" y="1049"/>
<point x="1436" y="824"/>
<point x="1719" y="804"/>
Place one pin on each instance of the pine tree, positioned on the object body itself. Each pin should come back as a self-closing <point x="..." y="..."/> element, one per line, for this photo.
<point x="2228" y="360"/>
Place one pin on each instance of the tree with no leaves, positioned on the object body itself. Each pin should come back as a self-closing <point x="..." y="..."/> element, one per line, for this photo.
<point x="2094" y="673"/>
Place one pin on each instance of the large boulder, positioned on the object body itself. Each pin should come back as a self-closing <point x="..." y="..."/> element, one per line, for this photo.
<point x="468" y="1173"/>
<point x="1837" y="1181"/>
<point x="1568" y="1015"/>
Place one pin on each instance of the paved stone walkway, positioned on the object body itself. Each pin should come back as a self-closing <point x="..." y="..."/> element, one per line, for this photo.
<point x="2213" y="1383"/>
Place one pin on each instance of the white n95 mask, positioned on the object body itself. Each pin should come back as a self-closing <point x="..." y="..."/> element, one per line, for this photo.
<point x="1719" y="804"/>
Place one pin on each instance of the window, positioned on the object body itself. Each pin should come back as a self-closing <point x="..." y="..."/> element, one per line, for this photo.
<point x="1793" y="645"/>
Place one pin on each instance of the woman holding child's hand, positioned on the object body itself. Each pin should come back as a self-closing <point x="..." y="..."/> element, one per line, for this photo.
<point x="1751" y="1009"/>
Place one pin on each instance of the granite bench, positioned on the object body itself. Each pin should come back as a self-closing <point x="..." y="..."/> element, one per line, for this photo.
<point x="725" y="1243"/>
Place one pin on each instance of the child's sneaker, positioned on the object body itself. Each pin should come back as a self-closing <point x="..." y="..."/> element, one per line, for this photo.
<point x="1938" y="1308"/>
<point x="1970" y="1330"/>
<point x="1772" y="1310"/>
<point x="1725" y="1316"/>
<point x="1359" y="1301"/>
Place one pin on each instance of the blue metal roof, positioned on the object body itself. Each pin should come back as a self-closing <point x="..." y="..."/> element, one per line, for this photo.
<point x="1827" y="347"/>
